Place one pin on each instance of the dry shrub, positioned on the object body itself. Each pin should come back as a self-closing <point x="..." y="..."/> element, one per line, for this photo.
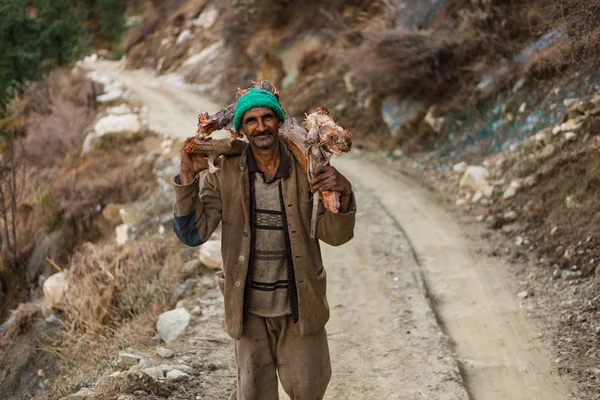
<point x="116" y="294"/>
<point x="414" y="64"/>
<point x="110" y="285"/>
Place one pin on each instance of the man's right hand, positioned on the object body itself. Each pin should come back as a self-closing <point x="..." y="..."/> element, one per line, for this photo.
<point x="192" y="164"/>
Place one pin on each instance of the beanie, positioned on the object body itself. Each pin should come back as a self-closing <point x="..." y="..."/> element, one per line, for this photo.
<point x="256" y="98"/>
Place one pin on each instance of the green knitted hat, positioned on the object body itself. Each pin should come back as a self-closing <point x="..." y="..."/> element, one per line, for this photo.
<point x="256" y="98"/>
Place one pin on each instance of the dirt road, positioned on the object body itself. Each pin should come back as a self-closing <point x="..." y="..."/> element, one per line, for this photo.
<point x="416" y="313"/>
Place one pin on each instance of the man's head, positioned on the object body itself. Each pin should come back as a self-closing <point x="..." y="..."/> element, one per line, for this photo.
<point x="259" y="116"/>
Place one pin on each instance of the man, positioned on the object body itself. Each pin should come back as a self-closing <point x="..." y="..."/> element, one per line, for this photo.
<point x="273" y="280"/>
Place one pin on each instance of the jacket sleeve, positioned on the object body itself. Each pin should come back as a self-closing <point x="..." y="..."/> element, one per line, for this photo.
<point x="336" y="229"/>
<point x="197" y="208"/>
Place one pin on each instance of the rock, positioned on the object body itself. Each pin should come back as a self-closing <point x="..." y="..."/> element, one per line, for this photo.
<point x="477" y="197"/>
<point x="436" y="123"/>
<point x="530" y="181"/>
<point x="184" y="368"/>
<point x="164" y="352"/>
<point x="130" y="359"/>
<point x="568" y="102"/>
<point x="37" y="261"/>
<point x="510" y="216"/>
<point x="571" y="275"/>
<point x="181" y="290"/>
<point x="177" y="376"/>
<point x="398" y="112"/>
<point x="556" y="130"/>
<point x="572" y="125"/>
<point x="461" y="202"/>
<point x="557" y="273"/>
<point x="554" y="230"/>
<point x="513" y="228"/>
<point x="519" y="241"/>
<point x="512" y="189"/>
<point x="55" y="288"/>
<point x="128" y="383"/>
<point x="114" y="124"/>
<point x="190" y="268"/>
<point x="120" y="110"/>
<point x="183" y="36"/>
<point x="210" y="255"/>
<point x="570" y="136"/>
<point x="172" y="323"/>
<point x="82" y="394"/>
<point x="208" y="17"/>
<point x="525" y="294"/>
<point x="570" y="202"/>
<point x="165" y="368"/>
<point x="155" y="373"/>
<point x="475" y="178"/>
<point x="196" y="311"/>
<point x="547" y="152"/>
<point x="122" y="234"/>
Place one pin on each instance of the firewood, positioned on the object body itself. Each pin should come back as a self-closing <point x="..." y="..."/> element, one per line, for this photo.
<point x="312" y="143"/>
<point x="213" y="149"/>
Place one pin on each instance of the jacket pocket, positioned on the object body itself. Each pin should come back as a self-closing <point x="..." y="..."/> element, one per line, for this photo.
<point x="221" y="281"/>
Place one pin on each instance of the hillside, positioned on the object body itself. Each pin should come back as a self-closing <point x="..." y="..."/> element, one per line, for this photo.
<point x="492" y="106"/>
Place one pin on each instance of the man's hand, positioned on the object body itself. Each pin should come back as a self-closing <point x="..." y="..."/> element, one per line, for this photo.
<point x="327" y="178"/>
<point x="191" y="164"/>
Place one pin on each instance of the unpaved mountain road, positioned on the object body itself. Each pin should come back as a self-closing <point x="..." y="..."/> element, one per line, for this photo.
<point x="416" y="312"/>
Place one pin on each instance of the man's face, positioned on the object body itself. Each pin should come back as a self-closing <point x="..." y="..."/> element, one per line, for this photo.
<point x="261" y="127"/>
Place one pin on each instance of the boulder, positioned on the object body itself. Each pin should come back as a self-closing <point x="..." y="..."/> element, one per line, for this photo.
<point x="475" y="178"/>
<point x="164" y="352"/>
<point x="128" y="383"/>
<point x="190" y="268"/>
<point x="82" y="394"/>
<point x="172" y="323"/>
<point x="210" y="254"/>
<point x="112" y="124"/>
<point x="130" y="359"/>
<point x="55" y="288"/>
<point x="177" y="376"/>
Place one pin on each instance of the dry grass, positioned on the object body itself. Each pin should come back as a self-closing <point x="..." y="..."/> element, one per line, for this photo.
<point x="116" y="294"/>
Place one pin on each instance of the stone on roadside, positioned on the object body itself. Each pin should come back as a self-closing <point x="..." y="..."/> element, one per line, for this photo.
<point x="210" y="255"/>
<point x="182" y="290"/>
<point x="511" y="190"/>
<point x="155" y="373"/>
<point x="460" y="167"/>
<point x="130" y="359"/>
<point x="121" y="109"/>
<point x="460" y="202"/>
<point x="476" y="197"/>
<point x="82" y="394"/>
<point x="122" y="234"/>
<point x="164" y="352"/>
<point x="525" y="294"/>
<point x="128" y="383"/>
<point x="547" y="152"/>
<point x="510" y="216"/>
<point x="570" y="202"/>
<point x="172" y="323"/>
<point x="571" y="275"/>
<point x="475" y="178"/>
<point x="176" y="375"/>
<point x="114" y="124"/>
<point x="55" y="288"/>
<point x="184" y="368"/>
<point x="190" y="268"/>
<point x="570" y="136"/>
<point x="196" y="311"/>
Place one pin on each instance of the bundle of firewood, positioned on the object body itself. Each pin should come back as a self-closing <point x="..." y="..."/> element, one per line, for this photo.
<point x="312" y="143"/>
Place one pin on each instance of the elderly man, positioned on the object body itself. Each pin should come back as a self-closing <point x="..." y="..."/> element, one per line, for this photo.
<point x="273" y="280"/>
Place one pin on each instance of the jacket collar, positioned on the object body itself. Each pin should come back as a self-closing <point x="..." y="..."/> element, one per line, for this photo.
<point x="248" y="162"/>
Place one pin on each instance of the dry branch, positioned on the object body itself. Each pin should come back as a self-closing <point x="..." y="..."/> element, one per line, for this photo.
<point x="311" y="144"/>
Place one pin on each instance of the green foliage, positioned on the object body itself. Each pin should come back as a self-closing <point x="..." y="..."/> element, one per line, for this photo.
<point x="110" y="16"/>
<point x="21" y="53"/>
<point x="62" y="36"/>
<point x="33" y="33"/>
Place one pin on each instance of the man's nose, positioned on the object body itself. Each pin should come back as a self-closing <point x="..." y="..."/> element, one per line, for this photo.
<point x="260" y="125"/>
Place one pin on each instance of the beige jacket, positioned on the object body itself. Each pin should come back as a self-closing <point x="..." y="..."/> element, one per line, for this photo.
<point x="225" y="197"/>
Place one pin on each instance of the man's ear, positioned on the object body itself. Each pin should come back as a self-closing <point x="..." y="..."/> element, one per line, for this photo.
<point x="280" y="123"/>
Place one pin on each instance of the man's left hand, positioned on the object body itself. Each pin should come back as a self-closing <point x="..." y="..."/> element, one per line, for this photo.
<point x="327" y="178"/>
